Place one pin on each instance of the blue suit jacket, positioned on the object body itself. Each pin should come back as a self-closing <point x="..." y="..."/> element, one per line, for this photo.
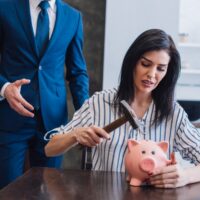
<point x="19" y="59"/>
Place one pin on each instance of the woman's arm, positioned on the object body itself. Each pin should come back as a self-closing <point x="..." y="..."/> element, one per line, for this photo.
<point x="59" y="144"/>
<point x="89" y="136"/>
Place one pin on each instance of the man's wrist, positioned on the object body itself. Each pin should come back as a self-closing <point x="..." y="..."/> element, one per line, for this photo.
<point x="2" y="92"/>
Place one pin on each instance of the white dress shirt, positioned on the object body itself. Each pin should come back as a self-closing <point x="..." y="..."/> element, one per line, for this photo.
<point x="34" y="12"/>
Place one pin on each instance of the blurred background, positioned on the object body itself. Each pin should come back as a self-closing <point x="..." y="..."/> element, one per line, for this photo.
<point x="111" y="26"/>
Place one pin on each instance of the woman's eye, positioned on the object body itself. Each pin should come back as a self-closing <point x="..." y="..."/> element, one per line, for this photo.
<point x="161" y="69"/>
<point x="145" y="64"/>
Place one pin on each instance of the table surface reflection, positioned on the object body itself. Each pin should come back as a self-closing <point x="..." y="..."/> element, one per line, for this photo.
<point x="53" y="184"/>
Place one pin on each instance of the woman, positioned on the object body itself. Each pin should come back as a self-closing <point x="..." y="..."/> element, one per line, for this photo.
<point x="148" y="77"/>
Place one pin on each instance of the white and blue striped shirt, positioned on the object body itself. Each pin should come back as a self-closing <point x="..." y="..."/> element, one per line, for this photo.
<point x="109" y="155"/>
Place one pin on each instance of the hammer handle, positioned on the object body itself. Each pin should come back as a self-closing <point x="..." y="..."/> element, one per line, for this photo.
<point x="115" y="124"/>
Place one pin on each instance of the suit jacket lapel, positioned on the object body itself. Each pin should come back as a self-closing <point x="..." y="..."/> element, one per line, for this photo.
<point x="23" y="12"/>
<point x="60" y="15"/>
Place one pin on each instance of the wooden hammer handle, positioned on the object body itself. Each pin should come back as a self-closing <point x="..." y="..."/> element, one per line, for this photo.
<point x="115" y="124"/>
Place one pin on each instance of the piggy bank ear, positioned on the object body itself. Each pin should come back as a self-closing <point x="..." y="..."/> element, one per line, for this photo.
<point x="163" y="145"/>
<point x="132" y="143"/>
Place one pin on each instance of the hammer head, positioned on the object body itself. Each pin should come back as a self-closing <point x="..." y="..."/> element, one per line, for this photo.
<point x="130" y="115"/>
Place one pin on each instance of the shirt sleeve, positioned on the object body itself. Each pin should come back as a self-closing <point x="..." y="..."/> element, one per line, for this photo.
<point x="82" y="118"/>
<point x="3" y="90"/>
<point x="187" y="140"/>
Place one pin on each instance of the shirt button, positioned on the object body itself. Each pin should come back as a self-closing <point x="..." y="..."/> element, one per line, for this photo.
<point x="40" y="67"/>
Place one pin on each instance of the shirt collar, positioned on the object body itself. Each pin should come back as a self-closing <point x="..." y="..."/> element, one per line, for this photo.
<point x="34" y="4"/>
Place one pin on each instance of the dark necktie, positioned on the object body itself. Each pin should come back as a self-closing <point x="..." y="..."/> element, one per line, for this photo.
<point x="42" y="31"/>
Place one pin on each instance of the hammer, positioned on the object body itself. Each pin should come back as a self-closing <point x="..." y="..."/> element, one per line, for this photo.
<point x="129" y="115"/>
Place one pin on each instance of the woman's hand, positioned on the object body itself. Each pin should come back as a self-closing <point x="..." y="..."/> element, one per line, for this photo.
<point x="90" y="136"/>
<point x="171" y="176"/>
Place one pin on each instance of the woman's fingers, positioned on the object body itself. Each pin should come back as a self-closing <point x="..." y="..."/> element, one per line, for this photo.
<point x="166" y="169"/>
<point x="90" y="136"/>
<point x="169" y="177"/>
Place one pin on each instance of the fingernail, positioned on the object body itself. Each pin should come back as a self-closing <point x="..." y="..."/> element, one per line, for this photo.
<point x="150" y="173"/>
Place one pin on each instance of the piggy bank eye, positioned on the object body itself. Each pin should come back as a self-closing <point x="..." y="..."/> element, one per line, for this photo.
<point x="143" y="152"/>
<point x="153" y="152"/>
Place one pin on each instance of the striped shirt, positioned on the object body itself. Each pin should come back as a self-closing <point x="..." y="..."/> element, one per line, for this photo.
<point x="181" y="135"/>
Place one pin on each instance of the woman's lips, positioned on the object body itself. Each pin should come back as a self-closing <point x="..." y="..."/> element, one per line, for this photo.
<point x="147" y="83"/>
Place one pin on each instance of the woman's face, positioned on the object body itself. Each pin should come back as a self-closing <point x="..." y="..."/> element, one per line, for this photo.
<point x="150" y="70"/>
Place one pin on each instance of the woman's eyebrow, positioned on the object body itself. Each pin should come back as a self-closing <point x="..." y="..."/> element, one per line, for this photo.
<point x="146" y="59"/>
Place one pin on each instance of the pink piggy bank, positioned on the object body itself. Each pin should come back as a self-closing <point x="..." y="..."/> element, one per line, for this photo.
<point x="143" y="157"/>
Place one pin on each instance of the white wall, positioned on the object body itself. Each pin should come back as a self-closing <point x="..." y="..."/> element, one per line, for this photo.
<point x="190" y="19"/>
<point x="188" y="87"/>
<point x="125" y="20"/>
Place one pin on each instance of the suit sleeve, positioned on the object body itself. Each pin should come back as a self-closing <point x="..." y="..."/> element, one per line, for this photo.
<point x="3" y="80"/>
<point x="76" y="68"/>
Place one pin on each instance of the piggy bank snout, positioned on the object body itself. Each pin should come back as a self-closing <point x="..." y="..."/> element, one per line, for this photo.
<point x="147" y="165"/>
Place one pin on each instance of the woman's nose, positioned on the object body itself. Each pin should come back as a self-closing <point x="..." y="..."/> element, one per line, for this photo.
<point x="151" y="74"/>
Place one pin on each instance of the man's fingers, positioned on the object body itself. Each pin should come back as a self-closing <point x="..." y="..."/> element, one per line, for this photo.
<point x="23" y="111"/>
<point x="21" y="106"/>
<point x="21" y="82"/>
<point x="15" y="99"/>
<point x="25" y="103"/>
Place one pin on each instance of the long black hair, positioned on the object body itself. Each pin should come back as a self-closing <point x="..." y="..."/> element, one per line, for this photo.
<point x="163" y="94"/>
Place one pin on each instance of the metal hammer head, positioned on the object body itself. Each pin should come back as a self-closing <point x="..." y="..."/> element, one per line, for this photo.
<point x="130" y="115"/>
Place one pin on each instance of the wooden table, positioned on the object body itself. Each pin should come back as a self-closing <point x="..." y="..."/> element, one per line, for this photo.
<point x="52" y="184"/>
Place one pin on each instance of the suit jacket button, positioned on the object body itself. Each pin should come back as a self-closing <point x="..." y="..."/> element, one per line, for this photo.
<point x="40" y="67"/>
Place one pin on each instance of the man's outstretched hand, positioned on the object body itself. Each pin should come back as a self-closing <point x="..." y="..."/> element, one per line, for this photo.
<point x="15" y="99"/>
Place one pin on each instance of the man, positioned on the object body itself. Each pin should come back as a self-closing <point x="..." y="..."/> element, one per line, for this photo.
<point x="37" y="38"/>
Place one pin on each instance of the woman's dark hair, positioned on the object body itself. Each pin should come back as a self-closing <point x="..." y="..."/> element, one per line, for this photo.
<point x="163" y="94"/>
